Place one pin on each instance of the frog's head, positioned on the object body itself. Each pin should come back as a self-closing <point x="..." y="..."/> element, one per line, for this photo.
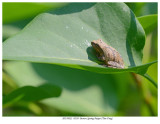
<point x="97" y="45"/>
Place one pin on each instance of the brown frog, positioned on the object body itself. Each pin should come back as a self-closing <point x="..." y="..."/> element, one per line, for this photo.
<point x="109" y="55"/>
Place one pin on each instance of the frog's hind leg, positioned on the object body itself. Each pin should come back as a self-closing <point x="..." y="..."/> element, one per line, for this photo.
<point x="113" y="64"/>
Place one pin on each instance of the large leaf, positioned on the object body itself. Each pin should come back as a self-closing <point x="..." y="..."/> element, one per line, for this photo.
<point x="83" y="92"/>
<point x="65" y="39"/>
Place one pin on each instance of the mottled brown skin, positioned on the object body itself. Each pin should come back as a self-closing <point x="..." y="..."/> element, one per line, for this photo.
<point x="109" y="55"/>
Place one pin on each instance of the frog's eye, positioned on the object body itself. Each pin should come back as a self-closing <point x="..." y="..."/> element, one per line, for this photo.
<point x="95" y="45"/>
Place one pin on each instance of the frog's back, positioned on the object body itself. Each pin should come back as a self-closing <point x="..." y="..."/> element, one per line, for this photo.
<point x="113" y="55"/>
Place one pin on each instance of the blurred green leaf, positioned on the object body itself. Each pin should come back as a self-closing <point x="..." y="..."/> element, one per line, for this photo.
<point x="143" y="8"/>
<point x="150" y="8"/>
<point x="9" y="30"/>
<point x="65" y="39"/>
<point x="14" y="11"/>
<point x="83" y="92"/>
<point x="149" y="22"/>
<point x="136" y="7"/>
<point x="30" y="93"/>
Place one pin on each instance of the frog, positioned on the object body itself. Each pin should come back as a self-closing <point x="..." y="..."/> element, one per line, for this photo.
<point x="109" y="55"/>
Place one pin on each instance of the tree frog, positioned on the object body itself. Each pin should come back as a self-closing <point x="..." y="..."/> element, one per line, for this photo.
<point x="108" y="54"/>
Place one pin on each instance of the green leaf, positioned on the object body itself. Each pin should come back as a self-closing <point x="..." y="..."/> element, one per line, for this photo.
<point x="65" y="39"/>
<point x="149" y="22"/>
<point x="19" y="11"/>
<point x="30" y="93"/>
<point x="83" y="92"/>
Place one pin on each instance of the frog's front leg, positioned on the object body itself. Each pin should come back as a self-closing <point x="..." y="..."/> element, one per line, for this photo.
<point x="113" y="64"/>
<point x="100" y="57"/>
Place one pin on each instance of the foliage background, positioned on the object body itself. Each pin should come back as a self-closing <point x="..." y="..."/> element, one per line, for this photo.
<point x="137" y="96"/>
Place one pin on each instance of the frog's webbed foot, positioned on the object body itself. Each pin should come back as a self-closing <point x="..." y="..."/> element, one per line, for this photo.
<point x="108" y="66"/>
<point x="104" y="65"/>
<point x="111" y="66"/>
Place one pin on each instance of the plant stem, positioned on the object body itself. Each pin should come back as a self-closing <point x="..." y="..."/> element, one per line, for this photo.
<point x="145" y="93"/>
<point x="137" y="81"/>
<point x="150" y="79"/>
